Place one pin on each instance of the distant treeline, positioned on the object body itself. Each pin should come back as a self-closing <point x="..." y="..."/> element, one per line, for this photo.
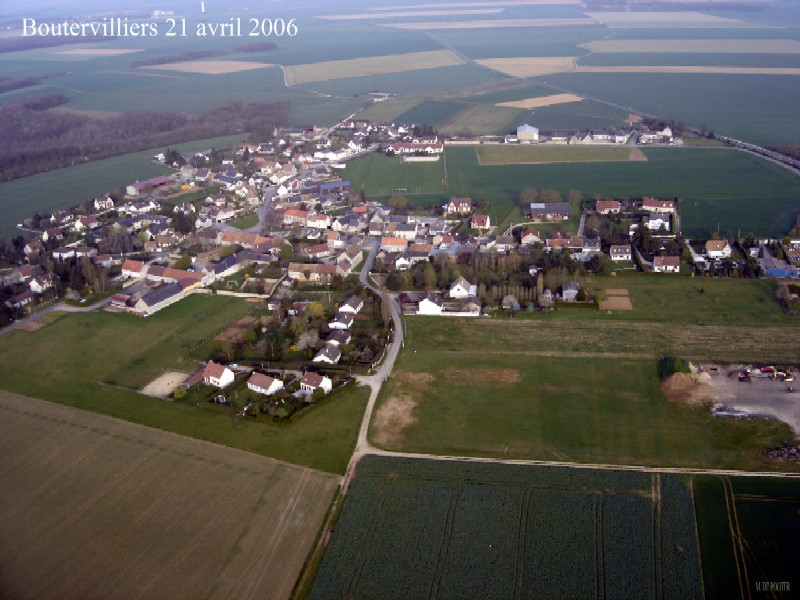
<point x="36" y="140"/>
<point x="163" y="60"/>
<point x="8" y="84"/>
<point x="255" y="47"/>
<point x="18" y="44"/>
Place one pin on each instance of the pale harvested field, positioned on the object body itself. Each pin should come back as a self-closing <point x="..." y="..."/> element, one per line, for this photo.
<point x="655" y="19"/>
<point x="94" y="507"/>
<point x="692" y="69"/>
<point x="616" y="303"/>
<point x="210" y="67"/>
<point x="492" y="23"/>
<point x="373" y="65"/>
<point x="163" y="385"/>
<point x="98" y="51"/>
<point x="542" y="101"/>
<point x="92" y="114"/>
<point x="409" y="13"/>
<point x="696" y="46"/>
<point x="530" y="66"/>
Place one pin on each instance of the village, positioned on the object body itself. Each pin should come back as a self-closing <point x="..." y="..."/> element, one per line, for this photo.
<point x="273" y="223"/>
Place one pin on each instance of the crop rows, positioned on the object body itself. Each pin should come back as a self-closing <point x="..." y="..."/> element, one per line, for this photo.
<point x="456" y="530"/>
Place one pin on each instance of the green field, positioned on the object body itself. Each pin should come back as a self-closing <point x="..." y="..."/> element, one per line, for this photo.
<point x="582" y="386"/>
<point x="95" y="360"/>
<point x="46" y="192"/>
<point x="718" y="188"/>
<point x="748" y="530"/>
<point x="483" y="119"/>
<point x="758" y="108"/>
<point x="459" y="530"/>
<point x="431" y="112"/>
<point x="509" y="155"/>
<point x="245" y="222"/>
<point x="381" y="175"/>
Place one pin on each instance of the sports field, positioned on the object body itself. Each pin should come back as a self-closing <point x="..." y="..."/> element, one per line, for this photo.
<point x="43" y="364"/>
<point x="538" y="155"/>
<point x="455" y="530"/>
<point x="94" y="507"/>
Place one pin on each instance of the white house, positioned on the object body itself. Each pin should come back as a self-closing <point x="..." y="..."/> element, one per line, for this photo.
<point x="655" y="205"/>
<point x="656" y="221"/>
<point x="311" y="382"/>
<point x="352" y="305"/>
<point x="430" y="305"/>
<point x="570" y="290"/>
<point x="459" y="288"/>
<point x="718" y="249"/>
<point x="329" y="353"/>
<point x="341" y="321"/>
<point x="217" y="375"/>
<point x="666" y="264"/>
<point x="621" y="252"/>
<point x="264" y="384"/>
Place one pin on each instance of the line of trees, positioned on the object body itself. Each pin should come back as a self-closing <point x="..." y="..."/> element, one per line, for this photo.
<point x="36" y="139"/>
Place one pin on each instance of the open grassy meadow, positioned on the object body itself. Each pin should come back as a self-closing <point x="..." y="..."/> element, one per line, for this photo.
<point x="465" y="530"/>
<point x="581" y="385"/>
<point x="380" y="175"/>
<point x="96" y="361"/>
<point x="94" y="507"/>
<point x="514" y="155"/>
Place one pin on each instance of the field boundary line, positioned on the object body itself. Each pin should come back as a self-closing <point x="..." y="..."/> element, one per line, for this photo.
<point x="522" y="537"/>
<point x="445" y="543"/>
<point x="697" y="536"/>
<point x="658" y="571"/>
<point x="739" y="539"/>
<point x="599" y="566"/>
<point x="734" y="539"/>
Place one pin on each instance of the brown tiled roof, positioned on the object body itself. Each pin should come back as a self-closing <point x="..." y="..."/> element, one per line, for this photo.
<point x="213" y="370"/>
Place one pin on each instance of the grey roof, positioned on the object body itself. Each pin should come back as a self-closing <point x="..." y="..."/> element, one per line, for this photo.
<point x="161" y="293"/>
<point x="554" y="208"/>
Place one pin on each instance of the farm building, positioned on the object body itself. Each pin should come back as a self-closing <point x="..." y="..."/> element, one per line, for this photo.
<point x="527" y="133"/>
<point x="551" y="211"/>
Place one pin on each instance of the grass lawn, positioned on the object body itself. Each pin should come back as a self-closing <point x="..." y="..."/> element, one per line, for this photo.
<point x="509" y="155"/>
<point x="73" y="361"/>
<point x="580" y="385"/>
<point x="245" y="222"/>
